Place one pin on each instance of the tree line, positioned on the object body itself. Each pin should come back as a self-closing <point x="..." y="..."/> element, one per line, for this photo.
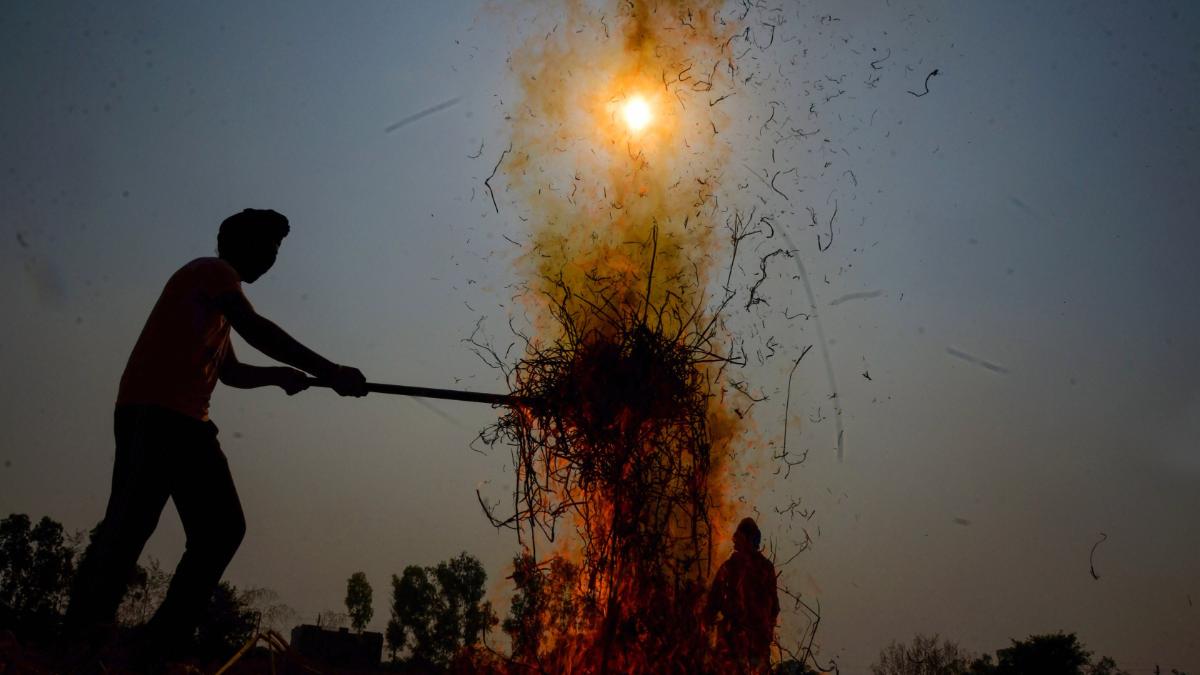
<point x="37" y="567"/>
<point x="438" y="613"/>
<point x="1058" y="653"/>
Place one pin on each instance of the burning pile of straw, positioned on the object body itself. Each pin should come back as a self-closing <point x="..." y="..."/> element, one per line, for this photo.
<point x="626" y="441"/>
<point x="616" y="439"/>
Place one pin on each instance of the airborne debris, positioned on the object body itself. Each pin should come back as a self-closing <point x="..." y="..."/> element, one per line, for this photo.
<point x="995" y="368"/>
<point x="424" y="113"/>
<point x="861" y="295"/>
<point x="487" y="182"/>
<point x="931" y="74"/>
<point x="787" y="403"/>
<point x="1092" y="556"/>
<point x="876" y="62"/>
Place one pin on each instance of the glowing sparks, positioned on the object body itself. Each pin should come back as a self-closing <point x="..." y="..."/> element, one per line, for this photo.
<point x="636" y="112"/>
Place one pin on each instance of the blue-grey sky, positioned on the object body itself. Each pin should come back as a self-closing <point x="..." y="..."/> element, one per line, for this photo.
<point x="1036" y="211"/>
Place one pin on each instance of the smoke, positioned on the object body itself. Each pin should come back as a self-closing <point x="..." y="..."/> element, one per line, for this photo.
<point x="605" y="202"/>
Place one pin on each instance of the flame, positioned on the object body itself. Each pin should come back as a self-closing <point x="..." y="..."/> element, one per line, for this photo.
<point x="616" y="163"/>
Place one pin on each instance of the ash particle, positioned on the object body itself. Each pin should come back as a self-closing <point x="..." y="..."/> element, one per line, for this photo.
<point x="983" y="363"/>
<point x="862" y="295"/>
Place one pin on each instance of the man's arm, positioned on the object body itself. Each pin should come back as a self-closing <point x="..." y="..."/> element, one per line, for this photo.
<point x="270" y="339"/>
<point x="234" y="373"/>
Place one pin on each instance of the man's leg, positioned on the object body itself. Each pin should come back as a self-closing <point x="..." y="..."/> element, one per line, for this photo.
<point x="139" y="493"/>
<point x="208" y="505"/>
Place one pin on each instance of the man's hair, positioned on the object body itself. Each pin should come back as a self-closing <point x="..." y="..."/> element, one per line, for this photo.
<point x="749" y="529"/>
<point x="251" y="226"/>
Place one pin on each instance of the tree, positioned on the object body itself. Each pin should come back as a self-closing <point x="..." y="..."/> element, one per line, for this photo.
<point x="332" y="619"/>
<point x="793" y="667"/>
<point x="358" y="601"/>
<point x="36" y="568"/>
<point x="1106" y="666"/>
<point x="544" y="605"/>
<point x="525" y="623"/>
<point x="227" y="623"/>
<point x="438" y="611"/>
<point x="1057" y="653"/>
<point x="414" y="604"/>
<point x="145" y="593"/>
<point x="923" y="656"/>
<point x="270" y="612"/>
<point x="465" y="617"/>
<point x="1052" y="654"/>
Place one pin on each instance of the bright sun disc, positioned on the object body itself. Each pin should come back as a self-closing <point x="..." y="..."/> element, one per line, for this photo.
<point x="637" y="113"/>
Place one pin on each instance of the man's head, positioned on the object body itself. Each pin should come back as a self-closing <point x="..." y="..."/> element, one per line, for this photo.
<point x="250" y="240"/>
<point x="747" y="537"/>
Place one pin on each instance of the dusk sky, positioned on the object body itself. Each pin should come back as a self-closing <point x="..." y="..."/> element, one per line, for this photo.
<point x="1013" y="265"/>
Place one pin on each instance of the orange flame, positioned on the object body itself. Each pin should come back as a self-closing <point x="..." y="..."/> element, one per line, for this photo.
<point x="617" y="161"/>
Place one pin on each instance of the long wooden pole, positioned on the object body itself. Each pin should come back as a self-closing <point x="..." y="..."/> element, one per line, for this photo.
<point x="429" y="392"/>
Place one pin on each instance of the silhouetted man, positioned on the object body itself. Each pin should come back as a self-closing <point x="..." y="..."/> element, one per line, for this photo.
<point x="743" y="602"/>
<point x="166" y="446"/>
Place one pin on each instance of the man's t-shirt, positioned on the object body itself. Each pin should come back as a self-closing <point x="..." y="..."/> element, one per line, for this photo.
<point x="744" y="591"/>
<point x="178" y="355"/>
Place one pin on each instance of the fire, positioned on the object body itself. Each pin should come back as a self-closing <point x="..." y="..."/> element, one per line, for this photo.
<point x="623" y="502"/>
<point x="636" y="112"/>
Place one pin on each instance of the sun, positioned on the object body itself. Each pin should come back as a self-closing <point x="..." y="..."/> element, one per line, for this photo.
<point x="636" y="112"/>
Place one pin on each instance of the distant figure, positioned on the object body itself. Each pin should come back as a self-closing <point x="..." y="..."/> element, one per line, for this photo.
<point x="166" y="446"/>
<point x="743" y="602"/>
